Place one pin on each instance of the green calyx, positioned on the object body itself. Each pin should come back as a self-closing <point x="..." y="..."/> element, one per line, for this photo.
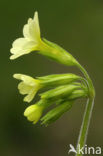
<point x="55" y="52"/>
<point x="56" y="113"/>
<point x="58" y="79"/>
<point x="60" y="92"/>
<point x="68" y="94"/>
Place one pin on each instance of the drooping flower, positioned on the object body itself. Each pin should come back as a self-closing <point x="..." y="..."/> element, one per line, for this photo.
<point x="30" y="41"/>
<point x="28" y="86"/>
<point x="33" y="113"/>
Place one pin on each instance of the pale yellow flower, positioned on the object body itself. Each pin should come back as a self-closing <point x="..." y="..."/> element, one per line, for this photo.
<point x="33" y="113"/>
<point x="28" y="86"/>
<point x="30" y="41"/>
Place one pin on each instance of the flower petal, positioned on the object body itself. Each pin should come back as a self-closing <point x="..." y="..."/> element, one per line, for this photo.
<point x="17" y="76"/>
<point x="31" y="31"/>
<point x="19" y="42"/>
<point x="29" y="110"/>
<point x="24" y="88"/>
<point x="30" y="42"/>
<point x="34" y="28"/>
<point x="22" y="44"/>
<point x="30" y="96"/>
<point x="27" y="79"/>
<point x="26" y="32"/>
<point x="36" y="19"/>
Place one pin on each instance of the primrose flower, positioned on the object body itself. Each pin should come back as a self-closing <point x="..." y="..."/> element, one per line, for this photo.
<point x="33" y="113"/>
<point x="30" y="41"/>
<point x="28" y="86"/>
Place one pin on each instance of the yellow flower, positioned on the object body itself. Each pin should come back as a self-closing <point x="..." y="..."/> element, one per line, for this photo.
<point x="30" y="41"/>
<point x="33" y="113"/>
<point x="28" y="86"/>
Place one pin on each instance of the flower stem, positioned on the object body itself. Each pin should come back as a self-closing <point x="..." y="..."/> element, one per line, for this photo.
<point x="85" y="125"/>
<point x="87" y="113"/>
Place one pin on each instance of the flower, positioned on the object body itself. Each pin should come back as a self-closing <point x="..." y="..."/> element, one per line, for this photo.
<point x="33" y="113"/>
<point x="28" y="86"/>
<point x="30" y="41"/>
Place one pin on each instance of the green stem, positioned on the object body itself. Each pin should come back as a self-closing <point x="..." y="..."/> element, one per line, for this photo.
<point x="85" y="125"/>
<point x="89" y="81"/>
<point x="87" y="113"/>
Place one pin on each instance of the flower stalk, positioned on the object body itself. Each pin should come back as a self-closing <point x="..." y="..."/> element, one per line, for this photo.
<point x="85" y="124"/>
<point x="88" y="111"/>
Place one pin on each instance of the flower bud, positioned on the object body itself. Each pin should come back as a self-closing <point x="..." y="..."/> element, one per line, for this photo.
<point x="33" y="113"/>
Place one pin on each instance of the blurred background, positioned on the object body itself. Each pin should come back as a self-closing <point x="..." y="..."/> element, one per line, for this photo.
<point x="78" y="27"/>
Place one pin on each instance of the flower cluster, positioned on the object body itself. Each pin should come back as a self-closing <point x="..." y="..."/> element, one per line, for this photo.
<point x="62" y="89"/>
